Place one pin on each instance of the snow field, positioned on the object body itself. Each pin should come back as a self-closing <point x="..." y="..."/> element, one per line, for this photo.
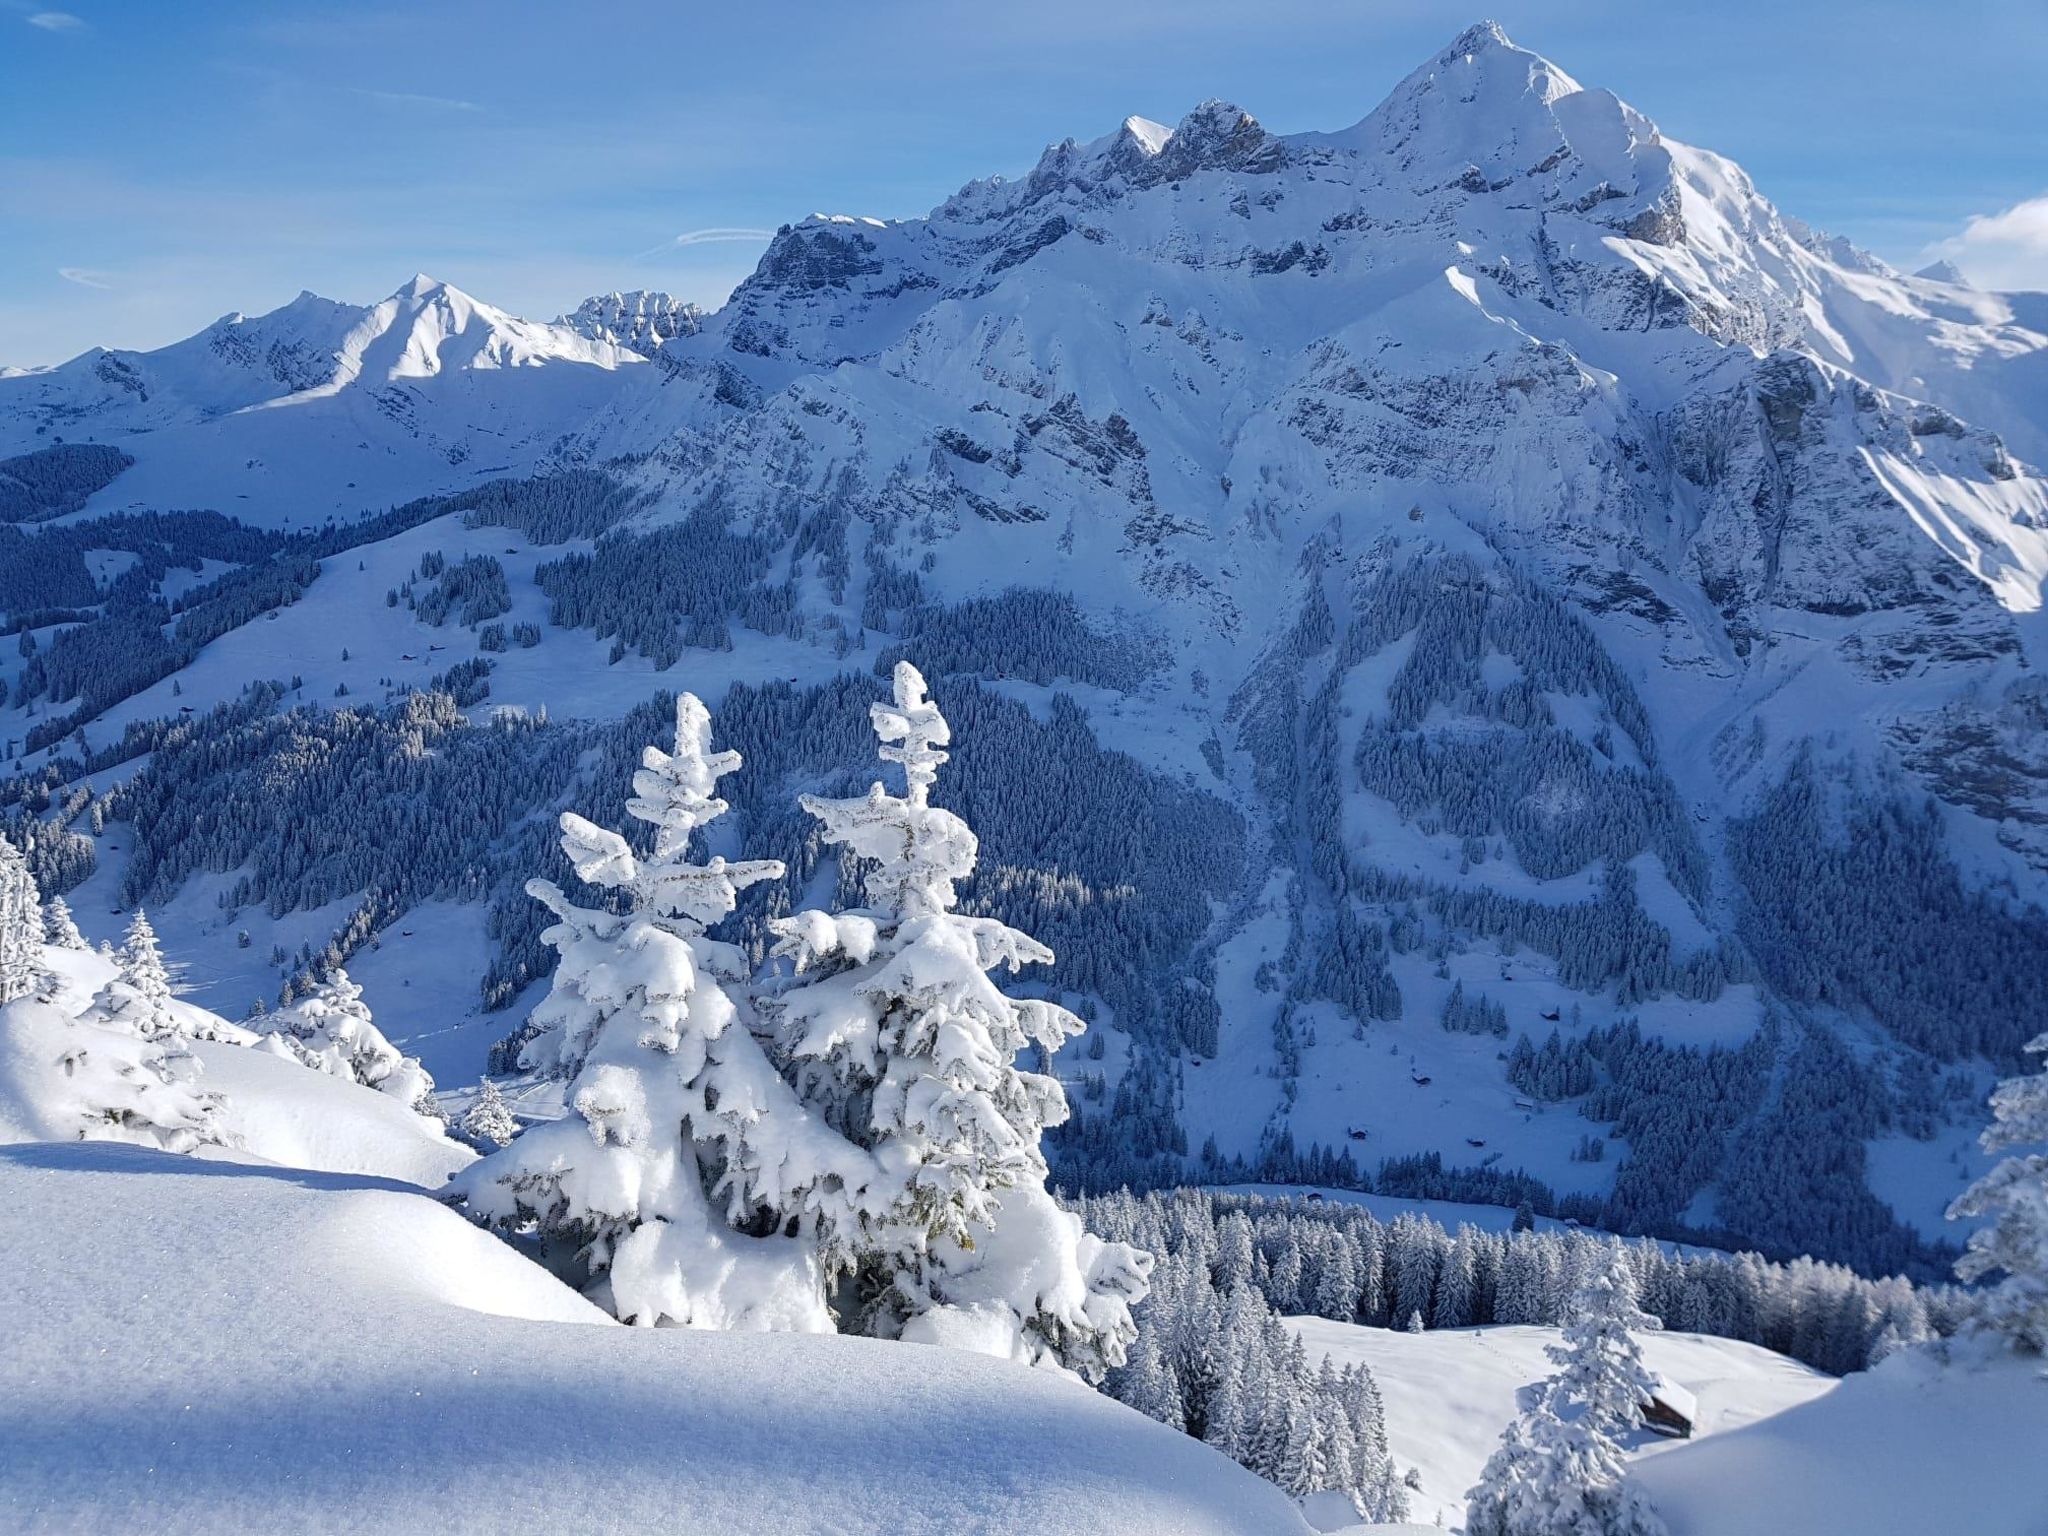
<point x="223" y="1346"/>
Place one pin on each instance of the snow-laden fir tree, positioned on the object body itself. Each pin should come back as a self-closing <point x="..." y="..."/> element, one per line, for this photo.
<point x="488" y="1123"/>
<point x="1457" y="1282"/>
<point x="1151" y="1385"/>
<point x="1559" y="1470"/>
<point x="331" y="1030"/>
<point x="688" y="1184"/>
<point x="1374" y="1483"/>
<point x="59" y="928"/>
<point x="137" y="997"/>
<point x="894" y="1025"/>
<point x="2014" y="1196"/>
<point x="1600" y="1365"/>
<point x="1554" y="1476"/>
<point x="21" y="927"/>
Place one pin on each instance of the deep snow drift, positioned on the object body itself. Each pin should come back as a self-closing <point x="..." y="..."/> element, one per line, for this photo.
<point x="220" y="1346"/>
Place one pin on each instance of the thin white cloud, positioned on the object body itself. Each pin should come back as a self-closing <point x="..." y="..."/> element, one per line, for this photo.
<point x="690" y="237"/>
<point x="83" y="278"/>
<point x="56" y="21"/>
<point x="2002" y="251"/>
<point x="415" y="99"/>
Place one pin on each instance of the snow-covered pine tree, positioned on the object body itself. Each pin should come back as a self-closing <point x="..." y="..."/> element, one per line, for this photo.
<point x="1554" y="1476"/>
<point x="1376" y="1486"/>
<point x="1455" y="1284"/>
<point x="21" y="927"/>
<point x="1305" y="1461"/>
<point x="1415" y="1254"/>
<point x="675" y="1110"/>
<point x="1507" y="1482"/>
<point x="1153" y="1387"/>
<point x="1600" y="1364"/>
<point x="488" y="1123"/>
<point x="893" y="1024"/>
<point x="137" y="997"/>
<point x="2014" y="1195"/>
<point x="330" y="1029"/>
<point x="1559" y="1470"/>
<point x="59" y="928"/>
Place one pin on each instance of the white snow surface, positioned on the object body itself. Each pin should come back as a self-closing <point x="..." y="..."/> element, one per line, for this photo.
<point x="281" y="1112"/>
<point x="272" y="1109"/>
<point x="1932" y="1441"/>
<point x="1921" y="1445"/>
<point x="227" y="1347"/>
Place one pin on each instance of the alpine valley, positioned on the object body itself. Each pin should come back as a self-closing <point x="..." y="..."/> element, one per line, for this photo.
<point x="1506" y="667"/>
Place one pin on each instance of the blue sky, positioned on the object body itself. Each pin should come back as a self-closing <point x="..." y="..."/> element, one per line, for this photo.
<point x="162" y="164"/>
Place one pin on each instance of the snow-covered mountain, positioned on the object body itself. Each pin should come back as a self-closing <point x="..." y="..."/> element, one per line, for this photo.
<point x="1481" y="571"/>
<point x="1499" y="291"/>
<point x="322" y="408"/>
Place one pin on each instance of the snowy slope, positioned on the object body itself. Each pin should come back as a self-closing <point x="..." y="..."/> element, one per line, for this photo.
<point x="224" y="1346"/>
<point x="1450" y="1394"/>
<point x="1915" y="1446"/>
<point x="273" y="1110"/>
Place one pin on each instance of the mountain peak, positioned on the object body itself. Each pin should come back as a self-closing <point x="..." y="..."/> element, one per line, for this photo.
<point x="639" y="321"/>
<point x="1485" y="67"/>
<point x="1944" y="271"/>
<point x="1477" y="37"/>
<point x="419" y="286"/>
<point x="1144" y="134"/>
<point x="1217" y="135"/>
<point x="1485" y="113"/>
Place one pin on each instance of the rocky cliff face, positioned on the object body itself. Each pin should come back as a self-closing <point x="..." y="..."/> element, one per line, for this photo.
<point x="639" y="321"/>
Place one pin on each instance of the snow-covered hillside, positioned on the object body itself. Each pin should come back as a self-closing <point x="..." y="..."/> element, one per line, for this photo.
<point x="1451" y="1392"/>
<point x="222" y="1345"/>
<point x="1483" y="572"/>
<point x="272" y="1110"/>
<point x="1916" y="1445"/>
<point x="1919" y="1444"/>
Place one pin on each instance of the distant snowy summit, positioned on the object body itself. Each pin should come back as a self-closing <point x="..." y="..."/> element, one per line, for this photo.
<point x="311" y="346"/>
<point x="639" y="321"/>
<point x="320" y="408"/>
<point x="1944" y="272"/>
